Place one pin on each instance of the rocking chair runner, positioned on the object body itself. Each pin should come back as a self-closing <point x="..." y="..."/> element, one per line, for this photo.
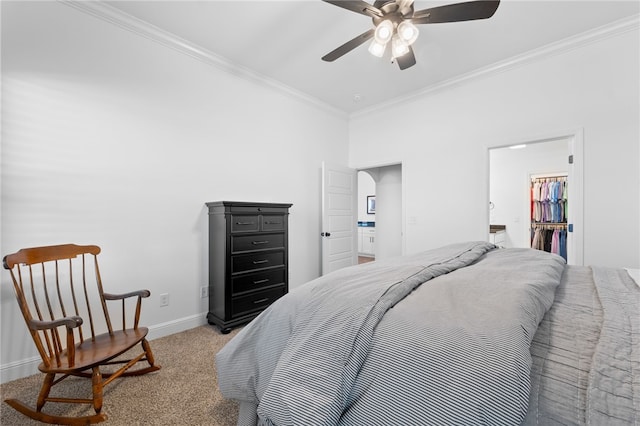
<point x="56" y="287"/>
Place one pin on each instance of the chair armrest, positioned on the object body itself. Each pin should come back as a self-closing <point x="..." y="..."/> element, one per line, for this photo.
<point x="139" y="293"/>
<point x="69" y="322"/>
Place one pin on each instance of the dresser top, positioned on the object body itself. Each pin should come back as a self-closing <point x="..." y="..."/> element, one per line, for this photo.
<point x="246" y="204"/>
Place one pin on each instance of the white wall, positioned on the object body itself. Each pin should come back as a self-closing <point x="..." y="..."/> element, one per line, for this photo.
<point x="113" y="139"/>
<point x="443" y="136"/>
<point x="389" y="211"/>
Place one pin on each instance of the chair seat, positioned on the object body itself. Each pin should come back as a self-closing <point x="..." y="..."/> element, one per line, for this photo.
<point x="98" y="351"/>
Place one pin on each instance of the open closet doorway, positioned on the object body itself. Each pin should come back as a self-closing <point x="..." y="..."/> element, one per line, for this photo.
<point x="379" y="212"/>
<point x="535" y="196"/>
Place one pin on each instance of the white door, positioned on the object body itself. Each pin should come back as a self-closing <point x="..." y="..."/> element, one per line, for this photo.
<point x="339" y="217"/>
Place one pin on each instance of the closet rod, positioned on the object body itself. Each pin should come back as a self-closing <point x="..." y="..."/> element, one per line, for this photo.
<point x="546" y="179"/>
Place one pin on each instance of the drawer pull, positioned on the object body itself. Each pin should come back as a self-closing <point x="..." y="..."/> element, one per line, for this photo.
<point x="258" y="262"/>
<point x="255" y="302"/>
<point x="266" y="280"/>
<point x="272" y="222"/>
<point x="257" y="243"/>
<point x="245" y="223"/>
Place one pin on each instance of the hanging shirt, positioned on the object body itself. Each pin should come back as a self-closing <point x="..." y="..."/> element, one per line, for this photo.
<point x="563" y="244"/>
<point x="555" y="242"/>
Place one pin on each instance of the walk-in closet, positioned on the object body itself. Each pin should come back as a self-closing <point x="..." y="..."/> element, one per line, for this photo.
<point x="549" y="200"/>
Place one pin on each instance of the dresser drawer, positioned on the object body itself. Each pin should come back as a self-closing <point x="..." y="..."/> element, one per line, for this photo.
<point x="272" y="223"/>
<point x="245" y="223"/>
<point x="240" y="243"/>
<point x="248" y="262"/>
<point x="265" y="208"/>
<point x="258" y="280"/>
<point x="255" y="301"/>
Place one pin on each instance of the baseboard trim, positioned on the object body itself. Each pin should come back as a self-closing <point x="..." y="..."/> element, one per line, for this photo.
<point x="19" y="369"/>
<point x="29" y="366"/>
<point x="177" y="326"/>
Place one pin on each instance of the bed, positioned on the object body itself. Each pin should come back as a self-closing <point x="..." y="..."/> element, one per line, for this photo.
<point x="463" y="334"/>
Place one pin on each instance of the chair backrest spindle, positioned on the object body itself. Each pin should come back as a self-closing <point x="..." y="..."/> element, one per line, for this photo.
<point x="72" y="292"/>
<point x="86" y="299"/>
<point x="103" y="302"/>
<point x="60" y="299"/>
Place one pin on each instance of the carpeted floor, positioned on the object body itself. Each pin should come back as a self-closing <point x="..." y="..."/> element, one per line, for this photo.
<point x="183" y="392"/>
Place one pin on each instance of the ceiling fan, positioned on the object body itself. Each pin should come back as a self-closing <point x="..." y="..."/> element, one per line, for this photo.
<point x="395" y="23"/>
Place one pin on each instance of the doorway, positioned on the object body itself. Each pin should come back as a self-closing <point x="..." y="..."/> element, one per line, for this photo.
<point x="366" y="217"/>
<point x="512" y="172"/>
<point x="380" y="212"/>
<point x="340" y="214"/>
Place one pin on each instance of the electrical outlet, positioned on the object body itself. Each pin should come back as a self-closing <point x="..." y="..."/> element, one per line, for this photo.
<point x="204" y="292"/>
<point x="164" y="299"/>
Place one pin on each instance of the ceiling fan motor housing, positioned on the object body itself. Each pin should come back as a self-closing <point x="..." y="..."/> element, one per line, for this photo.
<point x="391" y="12"/>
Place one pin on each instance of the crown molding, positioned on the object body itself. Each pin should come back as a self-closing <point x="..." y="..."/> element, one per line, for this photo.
<point x="149" y="31"/>
<point x="144" y="29"/>
<point x="571" y="43"/>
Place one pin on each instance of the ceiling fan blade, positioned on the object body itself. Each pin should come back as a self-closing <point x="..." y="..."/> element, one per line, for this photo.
<point x="457" y="12"/>
<point x="407" y="60"/>
<point x="348" y="46"/>
<point x="357" y="6"/>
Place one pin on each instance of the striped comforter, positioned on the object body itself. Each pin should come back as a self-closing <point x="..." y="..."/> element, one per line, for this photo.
<point x="442" y="337"/>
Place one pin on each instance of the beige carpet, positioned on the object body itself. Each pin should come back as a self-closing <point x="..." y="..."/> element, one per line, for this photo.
<point x="183" y="392"/>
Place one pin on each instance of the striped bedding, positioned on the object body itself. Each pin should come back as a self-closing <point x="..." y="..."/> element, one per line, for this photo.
<point x="442" y="337"/>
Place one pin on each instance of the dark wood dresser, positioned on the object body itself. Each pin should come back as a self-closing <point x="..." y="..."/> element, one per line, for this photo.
<point x="248" y="260"/>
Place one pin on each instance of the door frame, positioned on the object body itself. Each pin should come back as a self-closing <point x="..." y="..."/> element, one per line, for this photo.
<point x="575" y="149"/>
<point x="366" y="167"/>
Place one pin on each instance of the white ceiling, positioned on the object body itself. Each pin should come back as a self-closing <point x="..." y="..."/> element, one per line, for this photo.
<point x="283" y="41"/>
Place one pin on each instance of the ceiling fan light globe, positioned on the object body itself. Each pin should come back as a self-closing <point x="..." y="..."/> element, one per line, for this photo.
<point x="399" y="47"/>
<point x="384" y="32"/>
<point x="408" y="32"/>
<point x="377" y="49"/>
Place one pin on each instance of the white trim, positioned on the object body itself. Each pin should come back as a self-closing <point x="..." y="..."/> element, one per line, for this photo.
<point x="176" y="326"/>
<point x="19" y="369"/>
<point x="570" y="43"/>
<point x="29" y="366"/>
<point x="576" y="197"/>
<point x="369" y="166"/>
<point x="149" y="31"/>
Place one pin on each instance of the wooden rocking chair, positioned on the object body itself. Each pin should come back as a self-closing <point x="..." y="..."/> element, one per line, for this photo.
<point x="56" y="287"/>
